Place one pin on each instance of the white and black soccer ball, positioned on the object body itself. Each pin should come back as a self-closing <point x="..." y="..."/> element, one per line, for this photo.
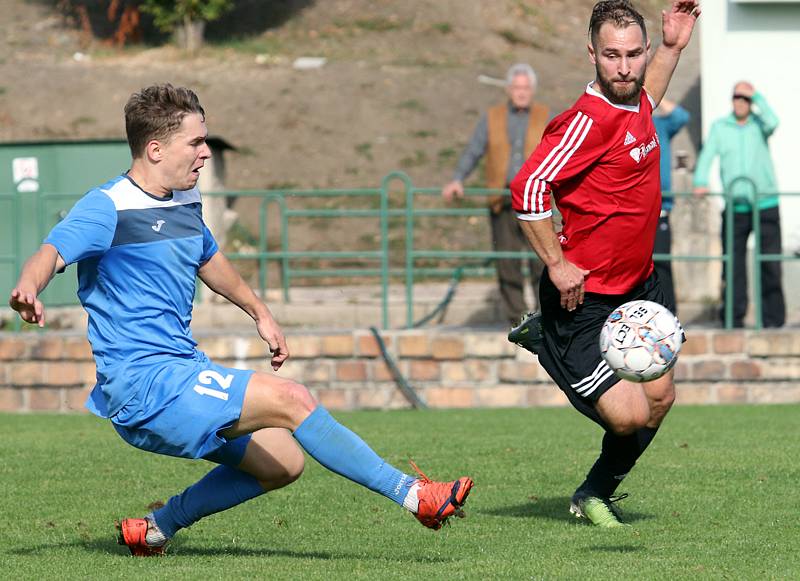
<point x="641" y="340"/>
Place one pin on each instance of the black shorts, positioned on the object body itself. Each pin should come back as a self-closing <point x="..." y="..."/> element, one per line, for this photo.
<point x="571" y="350"/>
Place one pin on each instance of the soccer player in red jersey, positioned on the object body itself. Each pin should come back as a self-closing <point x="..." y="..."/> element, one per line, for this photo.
<point x="599" y="160"/>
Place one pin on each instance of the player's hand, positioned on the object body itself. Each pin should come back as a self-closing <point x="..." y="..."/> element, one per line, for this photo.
<point x="678" y="23"/>
<point x="29" y="307"/>
<point x="700" y="191"/>
<point x="569" y="279"/>
<point x="271" y="332"/>
<point x="454" y="189"/>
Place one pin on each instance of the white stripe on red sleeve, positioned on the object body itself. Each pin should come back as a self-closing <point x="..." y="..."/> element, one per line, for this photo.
<point x="553" y="152"/>
<point x="557" y="158"/>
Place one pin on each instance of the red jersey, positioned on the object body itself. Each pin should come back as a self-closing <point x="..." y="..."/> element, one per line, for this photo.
<point x="601" y="162"/>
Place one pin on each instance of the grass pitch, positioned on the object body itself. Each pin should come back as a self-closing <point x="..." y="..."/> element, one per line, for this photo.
<point x="715" y="497"/>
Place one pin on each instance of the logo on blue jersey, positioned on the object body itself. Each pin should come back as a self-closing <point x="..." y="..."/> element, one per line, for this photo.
<point x="157" y="226"/>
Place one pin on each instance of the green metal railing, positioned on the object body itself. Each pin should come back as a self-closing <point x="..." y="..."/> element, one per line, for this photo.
<point x="285" y="255"/>
<point x="412" y="254"/>
<point x="725" y="257"/>
<point x="484" y="257"/>
<point x="471" y="262"/>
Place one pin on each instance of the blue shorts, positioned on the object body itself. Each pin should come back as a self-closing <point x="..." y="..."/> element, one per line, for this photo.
<point x="180" y="407"/>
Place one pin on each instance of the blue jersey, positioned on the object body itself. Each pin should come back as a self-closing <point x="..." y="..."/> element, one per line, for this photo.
<point x="138" y="256"/>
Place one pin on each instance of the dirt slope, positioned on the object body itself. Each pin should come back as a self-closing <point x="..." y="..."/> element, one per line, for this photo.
<point x="399" y="90"/>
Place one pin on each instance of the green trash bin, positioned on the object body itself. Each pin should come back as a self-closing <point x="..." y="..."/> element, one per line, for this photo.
<point x="39" y="183"/>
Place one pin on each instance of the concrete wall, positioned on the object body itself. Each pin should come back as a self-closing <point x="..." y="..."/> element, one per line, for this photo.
<point x="450" y="369"/>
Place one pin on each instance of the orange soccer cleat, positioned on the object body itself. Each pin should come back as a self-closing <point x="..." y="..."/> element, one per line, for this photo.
<point x="438" y="501"/>
<point x="133" y="534"/>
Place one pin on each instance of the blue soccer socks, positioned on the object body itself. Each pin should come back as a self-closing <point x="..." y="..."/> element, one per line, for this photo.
<point x="222" y="488"/>
<point x="326" y="440"/>
<point x="345" y="453"/>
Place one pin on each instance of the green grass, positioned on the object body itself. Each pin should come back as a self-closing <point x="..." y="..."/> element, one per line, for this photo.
<point x="364" y="150"/>
<point x="412" y="105"/>
<point x="714" y="498"/>
<point x="418" y="159"/>
<point x="264" y="44"/>
<point x="381" y="24"/>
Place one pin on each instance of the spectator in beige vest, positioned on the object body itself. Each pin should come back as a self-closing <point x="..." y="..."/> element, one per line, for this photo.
<point x="506" y="134"/>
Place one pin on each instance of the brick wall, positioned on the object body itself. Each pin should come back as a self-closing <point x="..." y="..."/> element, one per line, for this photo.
<point x="453" y="368"/>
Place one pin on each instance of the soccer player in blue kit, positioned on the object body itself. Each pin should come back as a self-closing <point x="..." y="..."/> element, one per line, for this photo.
<point x="139" y="241"/>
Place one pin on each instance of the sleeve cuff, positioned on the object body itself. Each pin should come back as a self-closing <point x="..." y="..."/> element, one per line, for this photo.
<point x="67" y="259"/>
<point x="534" y="217"/>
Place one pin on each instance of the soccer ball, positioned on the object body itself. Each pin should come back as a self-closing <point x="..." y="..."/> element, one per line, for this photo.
<point x="641" y="340"/>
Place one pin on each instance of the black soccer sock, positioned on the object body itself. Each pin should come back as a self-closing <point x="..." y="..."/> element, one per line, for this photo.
<point x="617" y="458"/>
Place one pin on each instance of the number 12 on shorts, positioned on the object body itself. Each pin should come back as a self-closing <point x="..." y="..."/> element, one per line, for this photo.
<point x="211" y="377"/>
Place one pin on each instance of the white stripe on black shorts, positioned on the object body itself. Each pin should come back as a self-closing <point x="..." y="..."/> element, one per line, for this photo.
<point x="571" y="350"/>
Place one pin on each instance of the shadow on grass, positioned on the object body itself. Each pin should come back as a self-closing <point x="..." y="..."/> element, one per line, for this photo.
<point x="616" y="548"/>
<point x="553" y="508"/>
<point x="112" y="549"/>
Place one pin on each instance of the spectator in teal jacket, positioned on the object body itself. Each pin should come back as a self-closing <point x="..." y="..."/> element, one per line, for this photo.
<point x="740" y="141"/>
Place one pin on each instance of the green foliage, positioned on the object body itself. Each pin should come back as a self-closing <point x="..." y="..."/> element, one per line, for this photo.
<point x="446" y="157"/>
<point x="423" y="133"/>
<point x="412" y="105"/>
<point x="380" y="24"/>
<point x="364" y="150"/>
<point x="419" y="159"/>
<point x="82" y="120"/>
<point x="712" y="498"/>
<point x="516" y="38"/>
<point x="168" y="14"/>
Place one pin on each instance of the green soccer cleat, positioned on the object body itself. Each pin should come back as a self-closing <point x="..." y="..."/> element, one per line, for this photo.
<point x="600" y="512"/>
<point x="528" y="334"/>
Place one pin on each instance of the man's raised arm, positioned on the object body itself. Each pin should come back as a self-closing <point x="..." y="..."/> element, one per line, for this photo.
<point x="677" y="26"/>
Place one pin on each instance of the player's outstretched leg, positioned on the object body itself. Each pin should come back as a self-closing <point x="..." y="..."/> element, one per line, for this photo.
<point x="222" y="488"/>
<point x="250" y="466"/>
<point x="272" y="401"/>
<point x="345" y="453"/>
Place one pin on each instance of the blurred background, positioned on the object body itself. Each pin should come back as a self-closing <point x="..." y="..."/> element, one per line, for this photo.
<point x="338" y="94"/>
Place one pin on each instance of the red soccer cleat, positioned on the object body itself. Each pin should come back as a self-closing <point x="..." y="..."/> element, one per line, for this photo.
<point x="438" y="501"/>
<point x="133" y="533"/>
